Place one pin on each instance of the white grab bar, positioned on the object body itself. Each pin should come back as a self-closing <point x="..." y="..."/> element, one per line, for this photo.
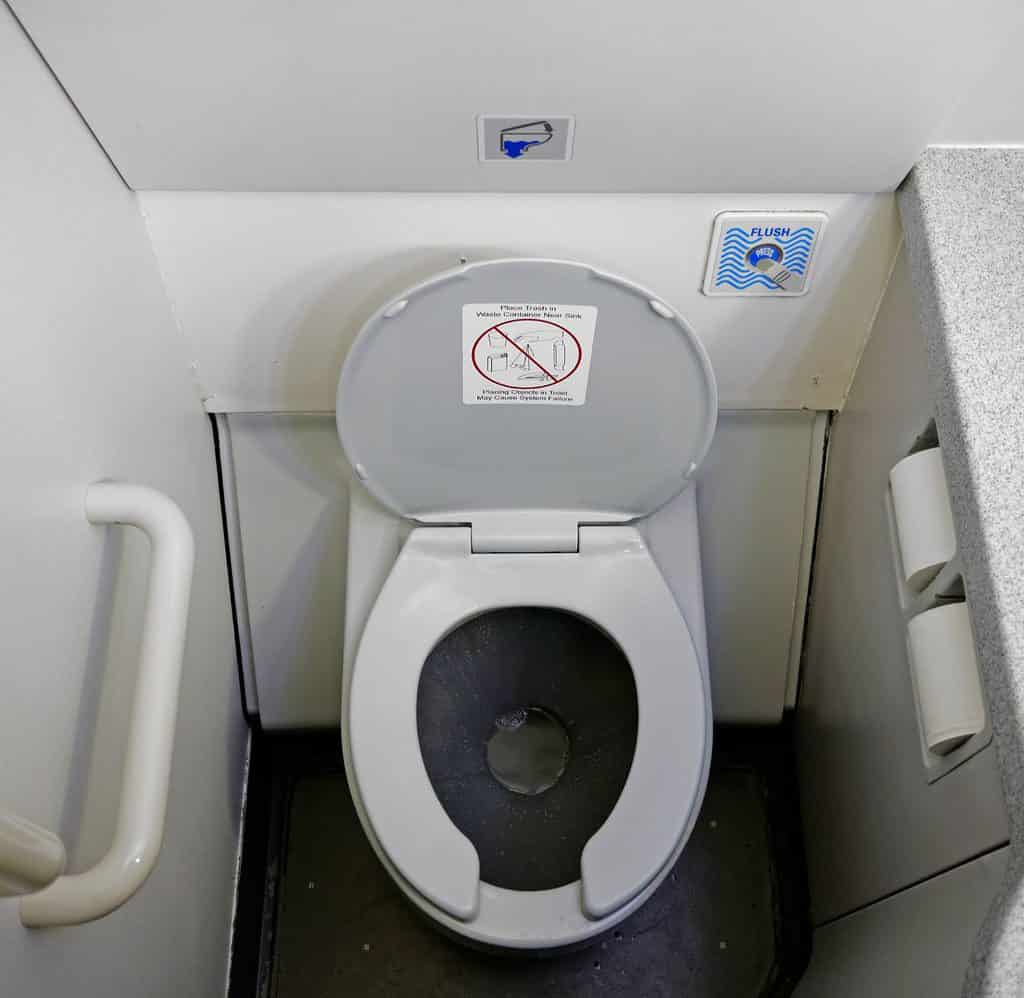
<point x="30" y="856"/>
<point x="82" y="897"/>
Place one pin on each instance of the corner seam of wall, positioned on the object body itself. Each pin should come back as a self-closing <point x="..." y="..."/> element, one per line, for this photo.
<point x="192" y="362"/>
<point x="874" y="318"/>
<point x="64" y="90"/>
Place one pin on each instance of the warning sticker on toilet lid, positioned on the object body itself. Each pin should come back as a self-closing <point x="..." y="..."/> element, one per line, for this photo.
<point x="526" y="354"/>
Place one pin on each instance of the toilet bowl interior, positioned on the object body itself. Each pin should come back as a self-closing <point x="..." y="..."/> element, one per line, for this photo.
<point x="555" y="696"/>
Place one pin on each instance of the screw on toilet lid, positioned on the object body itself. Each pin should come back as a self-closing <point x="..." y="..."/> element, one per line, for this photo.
<point x="605" y="410"/>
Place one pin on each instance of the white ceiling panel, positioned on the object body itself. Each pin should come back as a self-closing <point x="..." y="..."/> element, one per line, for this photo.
<point x="991" y="112"/>
<point x="667" y="95"/>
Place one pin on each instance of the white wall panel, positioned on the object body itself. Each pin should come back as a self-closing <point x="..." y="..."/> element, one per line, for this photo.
<point x="668" y="96"/>
<point x="291" y="480"/>
<point x="754" y="523"/>
<point x="270" y="290"/>
<point x="915" y="944"/>
<point x="95" y="384"/>
<point x="872" y="822"/>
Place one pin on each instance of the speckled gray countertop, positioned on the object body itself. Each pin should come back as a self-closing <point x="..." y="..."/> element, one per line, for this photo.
<point x="963" y="215"/>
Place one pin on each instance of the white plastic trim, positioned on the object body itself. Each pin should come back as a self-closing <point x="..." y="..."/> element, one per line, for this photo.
<point x="82" y="897"/>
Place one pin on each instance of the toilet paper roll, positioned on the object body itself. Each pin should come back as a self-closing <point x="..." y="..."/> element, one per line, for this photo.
<point x="946" y="677"/>
<point x="924" y="520"/>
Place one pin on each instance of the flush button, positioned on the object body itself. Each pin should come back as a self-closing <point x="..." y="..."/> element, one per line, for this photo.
<point x="763" y="254"/>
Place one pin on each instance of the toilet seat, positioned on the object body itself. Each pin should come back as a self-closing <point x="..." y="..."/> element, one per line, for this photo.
<point x="438" y="583"/>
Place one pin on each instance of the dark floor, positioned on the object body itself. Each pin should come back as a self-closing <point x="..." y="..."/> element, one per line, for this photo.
<point x="729" y="921"/>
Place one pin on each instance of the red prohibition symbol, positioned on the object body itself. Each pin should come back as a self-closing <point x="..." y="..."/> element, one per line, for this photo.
<point x="527" y="360"/>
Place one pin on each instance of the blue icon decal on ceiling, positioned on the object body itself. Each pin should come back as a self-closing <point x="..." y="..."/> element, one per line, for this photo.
<point x="517" y="140"/>
<point x="747" y="252"/>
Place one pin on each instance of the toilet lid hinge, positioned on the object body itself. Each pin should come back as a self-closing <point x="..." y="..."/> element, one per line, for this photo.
<point x="525" y="532"/>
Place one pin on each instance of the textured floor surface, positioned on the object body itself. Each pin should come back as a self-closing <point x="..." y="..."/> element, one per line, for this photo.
<point x="344" y="928"/>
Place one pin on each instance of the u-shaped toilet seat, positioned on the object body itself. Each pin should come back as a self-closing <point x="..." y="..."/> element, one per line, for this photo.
<point x="436" y="584"/>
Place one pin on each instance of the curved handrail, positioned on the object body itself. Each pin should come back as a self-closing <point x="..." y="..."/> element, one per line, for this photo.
<point x="82" y="897"/>
<point x="30" y="857"/>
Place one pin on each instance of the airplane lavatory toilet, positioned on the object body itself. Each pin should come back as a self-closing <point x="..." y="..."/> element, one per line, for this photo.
<point x="526" y="714"/>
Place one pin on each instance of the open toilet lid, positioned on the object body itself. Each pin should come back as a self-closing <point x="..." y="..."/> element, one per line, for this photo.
<point x="526" y="384"/>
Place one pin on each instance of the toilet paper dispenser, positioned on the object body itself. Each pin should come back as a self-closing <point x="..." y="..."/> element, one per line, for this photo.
<point x="951" y="714"/>
<point x="925" y="536"/>
<point x="947" y="687"/>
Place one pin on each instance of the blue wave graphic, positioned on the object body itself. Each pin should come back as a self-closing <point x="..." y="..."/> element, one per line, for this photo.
<point x="746" y="279"/>
<point x="743" y="285"/>
<point x="743" y="273"/>
<point x="740" y="268"/>
<point x="741" y="235"/>
<point x="741" y="258"/>
<point x="741" y="251"/>
<point x="785" y="243"/>
<point x="796" y="232"/>
<point x="733" y="269"/>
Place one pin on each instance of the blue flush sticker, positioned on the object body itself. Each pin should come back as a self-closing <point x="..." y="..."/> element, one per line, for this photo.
<point x="744" y="259"/>
<point x="763" y="253"/>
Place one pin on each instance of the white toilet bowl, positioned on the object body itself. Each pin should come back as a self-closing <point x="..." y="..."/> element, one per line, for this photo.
<point x="502" y="526"/>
